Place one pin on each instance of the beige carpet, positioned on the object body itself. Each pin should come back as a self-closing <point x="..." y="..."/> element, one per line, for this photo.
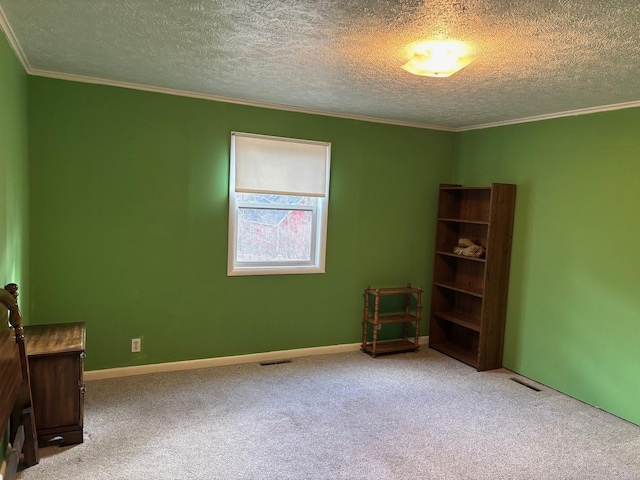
<point x="345" y="416"/>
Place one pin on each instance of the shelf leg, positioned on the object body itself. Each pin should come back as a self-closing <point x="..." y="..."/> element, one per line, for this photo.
<point x="365" y="323"/>
<point x="407" y="310"/>
<point x="376" y="311"/>
<point x="418" y="308"/>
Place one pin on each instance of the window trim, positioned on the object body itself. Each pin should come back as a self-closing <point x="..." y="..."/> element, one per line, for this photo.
<point x="319" y="228"/>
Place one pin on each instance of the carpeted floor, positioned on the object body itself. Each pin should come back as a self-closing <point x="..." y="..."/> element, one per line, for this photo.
<point x="345" y="416"/>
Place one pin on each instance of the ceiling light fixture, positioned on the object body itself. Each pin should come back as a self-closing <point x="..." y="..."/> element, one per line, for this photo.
<point x="438" y="58"/>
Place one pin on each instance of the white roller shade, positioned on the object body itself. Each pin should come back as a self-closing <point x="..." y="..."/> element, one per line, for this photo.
<point x="280" y="166"/>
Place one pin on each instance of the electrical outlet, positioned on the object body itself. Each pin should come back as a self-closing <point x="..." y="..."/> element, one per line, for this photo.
<point x="136" y="345"/>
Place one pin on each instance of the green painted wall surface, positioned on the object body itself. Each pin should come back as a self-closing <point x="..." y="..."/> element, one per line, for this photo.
<point x="572" y="320"/>
<point x="13" y="173"/>
<point x="13" y="179"/>
<point x="129" y="215"/>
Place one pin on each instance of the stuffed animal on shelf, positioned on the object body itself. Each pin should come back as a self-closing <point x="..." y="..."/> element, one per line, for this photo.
<point x="467" y="248"/>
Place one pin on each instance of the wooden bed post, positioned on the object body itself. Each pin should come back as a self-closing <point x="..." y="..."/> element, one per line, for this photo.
<point x="23" y="413"/>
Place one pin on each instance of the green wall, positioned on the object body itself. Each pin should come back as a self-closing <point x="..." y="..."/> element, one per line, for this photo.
<point x="573" y="311"/>
<point x="13" y="173"/>
<point x="13" y="180"/>
<point x="129" y="220"/>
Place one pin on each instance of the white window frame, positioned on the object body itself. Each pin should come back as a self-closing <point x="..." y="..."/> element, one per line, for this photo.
<point x="318" y="230"/>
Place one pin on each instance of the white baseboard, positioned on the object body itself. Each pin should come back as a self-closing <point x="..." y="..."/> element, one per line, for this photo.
<point x="220" y="361"/>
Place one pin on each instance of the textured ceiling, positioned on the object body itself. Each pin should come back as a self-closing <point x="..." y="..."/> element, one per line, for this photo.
<point x="533" y="58"/>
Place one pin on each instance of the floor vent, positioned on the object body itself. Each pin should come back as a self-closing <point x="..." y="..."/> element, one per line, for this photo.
<point x="275" y="362"/>
<point x="517" y="380"/>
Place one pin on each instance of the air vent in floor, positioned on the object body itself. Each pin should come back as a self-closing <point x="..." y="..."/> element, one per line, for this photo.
<point x="522" y="382"/>
<point x="275" y="362"/>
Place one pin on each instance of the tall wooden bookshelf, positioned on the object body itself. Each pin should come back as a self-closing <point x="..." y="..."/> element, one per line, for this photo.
<point x="469" y="296"/>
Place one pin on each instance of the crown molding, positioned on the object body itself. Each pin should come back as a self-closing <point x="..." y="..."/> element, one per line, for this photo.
<point x="237" y="101"/>
<point x="13" y="41"/>
<point x="551" y="116"/>
<point x="288" y="108"/>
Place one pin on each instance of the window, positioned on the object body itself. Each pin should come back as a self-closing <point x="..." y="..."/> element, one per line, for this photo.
<point x="278" y="199"/>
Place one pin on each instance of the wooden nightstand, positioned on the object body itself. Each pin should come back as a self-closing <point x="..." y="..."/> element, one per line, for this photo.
<point x="56" y="362"/>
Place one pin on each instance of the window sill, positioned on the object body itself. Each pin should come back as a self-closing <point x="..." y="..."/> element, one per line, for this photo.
<point x="271" y="270"/>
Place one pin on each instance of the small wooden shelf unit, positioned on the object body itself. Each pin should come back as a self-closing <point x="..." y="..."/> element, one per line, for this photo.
<point x="410" y="315"/>
<point x="469" y="296"/>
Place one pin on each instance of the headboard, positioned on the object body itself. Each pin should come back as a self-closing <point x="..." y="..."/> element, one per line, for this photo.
<point x="15" y="391"/>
